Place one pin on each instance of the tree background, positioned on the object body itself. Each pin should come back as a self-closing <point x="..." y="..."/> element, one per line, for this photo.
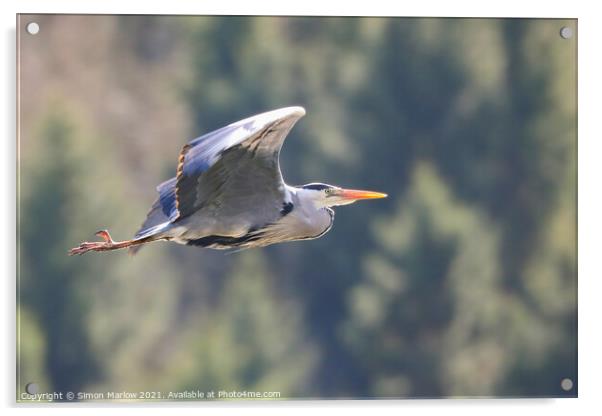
<point x="461" y="283"/>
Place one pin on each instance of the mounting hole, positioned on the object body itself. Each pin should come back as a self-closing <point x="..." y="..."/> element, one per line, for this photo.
<point x="566" y="33"/>
<point x="32" y="28"/>
<point x="31" y="388"/>
<point x="566" y="384"/>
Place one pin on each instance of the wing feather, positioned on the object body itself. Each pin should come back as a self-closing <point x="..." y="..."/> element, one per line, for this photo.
<point x="244" y="153"/>
<point x="217" y="169"/>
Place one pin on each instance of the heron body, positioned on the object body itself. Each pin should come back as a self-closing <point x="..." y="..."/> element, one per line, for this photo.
<point x="228" y="192"/>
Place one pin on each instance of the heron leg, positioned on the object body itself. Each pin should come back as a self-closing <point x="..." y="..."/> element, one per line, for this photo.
<point x="106" y="245"/>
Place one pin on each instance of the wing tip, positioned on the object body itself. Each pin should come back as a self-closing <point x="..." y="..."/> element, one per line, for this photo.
<point x="262" y="119"/>
<point x="296" y="111"/>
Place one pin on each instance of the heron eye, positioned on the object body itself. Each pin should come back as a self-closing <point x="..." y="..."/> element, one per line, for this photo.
<point x="329" y="191"/>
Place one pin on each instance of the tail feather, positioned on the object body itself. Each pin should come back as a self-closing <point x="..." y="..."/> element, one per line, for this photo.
<point x="132" y="251"/>
<point x="150" y="234"/>
<point x="160" y="214"/>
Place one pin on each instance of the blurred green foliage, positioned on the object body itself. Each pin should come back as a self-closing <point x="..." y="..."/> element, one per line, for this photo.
<point x="461" y="283"/>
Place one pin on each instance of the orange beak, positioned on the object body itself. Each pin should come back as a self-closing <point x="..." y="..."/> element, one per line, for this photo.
<point x="354" y="194"/>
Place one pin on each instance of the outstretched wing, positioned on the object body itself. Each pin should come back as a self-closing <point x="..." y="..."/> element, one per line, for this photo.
<point x="228" y="172"/>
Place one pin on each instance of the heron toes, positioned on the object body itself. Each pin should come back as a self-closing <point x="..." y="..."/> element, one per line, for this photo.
<point x="87" y="246"/>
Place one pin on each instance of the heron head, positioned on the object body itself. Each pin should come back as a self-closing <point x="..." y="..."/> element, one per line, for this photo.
<point x="325" y="195"/>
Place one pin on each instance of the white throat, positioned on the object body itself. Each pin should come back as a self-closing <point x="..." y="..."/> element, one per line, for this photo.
<point x="307" y="197"/>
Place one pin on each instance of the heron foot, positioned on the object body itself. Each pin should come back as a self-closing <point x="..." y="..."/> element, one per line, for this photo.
<point x="107" y="244"/>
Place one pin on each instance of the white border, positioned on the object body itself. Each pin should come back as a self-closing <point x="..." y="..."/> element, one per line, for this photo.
<point x="590" y="207"/>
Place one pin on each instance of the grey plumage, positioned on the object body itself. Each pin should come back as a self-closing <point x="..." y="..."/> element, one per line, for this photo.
<point x="228" y="192"/>
<point x="223" y="174"/>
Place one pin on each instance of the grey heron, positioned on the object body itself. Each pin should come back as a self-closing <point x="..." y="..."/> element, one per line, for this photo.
<point x="228" y="192"/>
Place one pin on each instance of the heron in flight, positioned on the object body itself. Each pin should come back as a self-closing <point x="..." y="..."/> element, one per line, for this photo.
<point x="229" y="193"/>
